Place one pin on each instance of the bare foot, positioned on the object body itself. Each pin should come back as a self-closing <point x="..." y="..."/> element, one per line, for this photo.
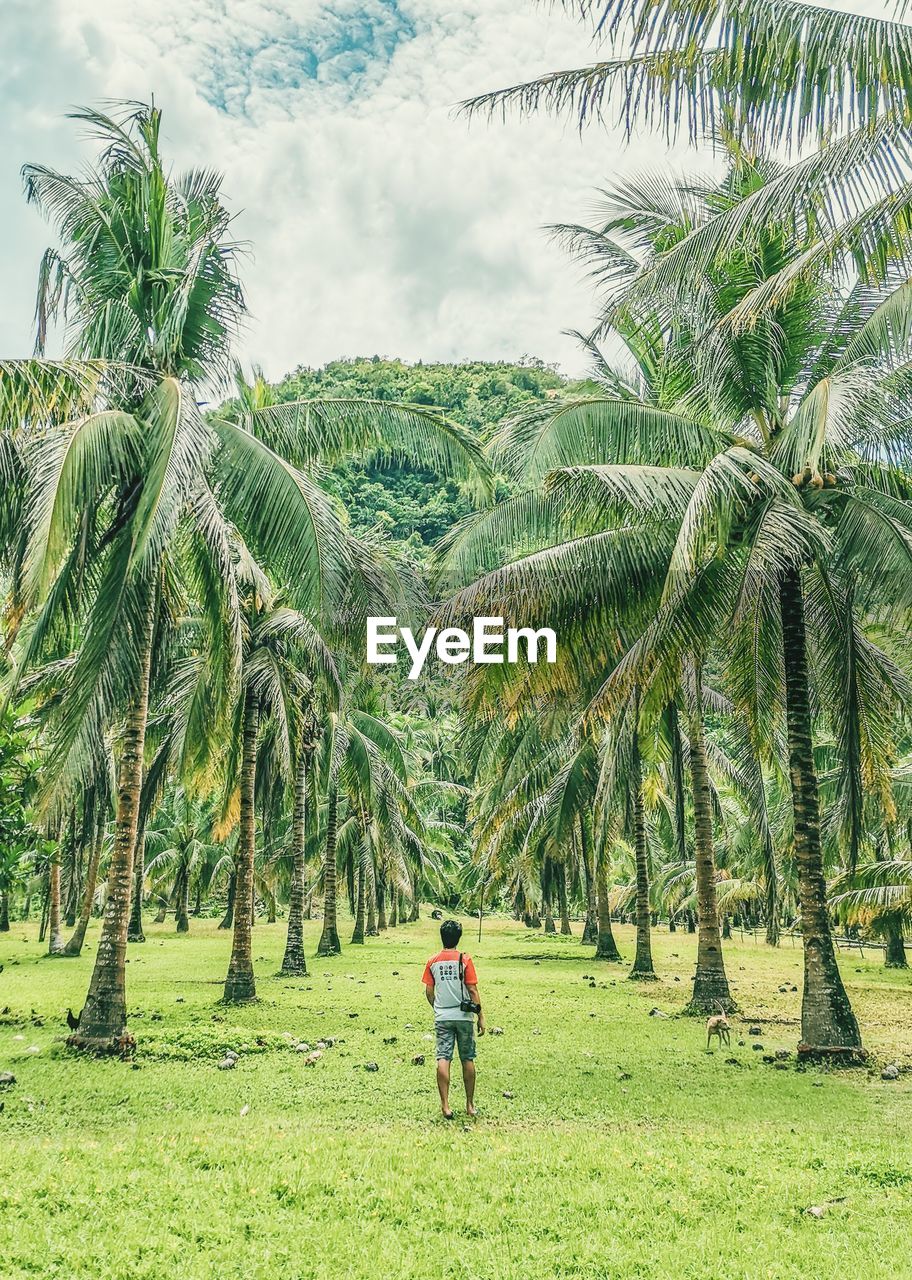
<point x="448" y="1115"/>
<point x="470" y="1109"/>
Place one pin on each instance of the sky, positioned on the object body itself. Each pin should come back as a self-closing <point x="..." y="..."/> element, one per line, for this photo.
<point x="377" y="220"/>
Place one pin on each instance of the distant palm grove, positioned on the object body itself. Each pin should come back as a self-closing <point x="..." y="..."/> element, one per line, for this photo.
<point x="716" y="522"/>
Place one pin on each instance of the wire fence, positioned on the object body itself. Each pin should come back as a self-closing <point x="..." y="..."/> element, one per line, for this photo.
<point x="842" y="944"/>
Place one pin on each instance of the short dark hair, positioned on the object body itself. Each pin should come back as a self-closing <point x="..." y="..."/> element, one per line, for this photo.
<point x="450" y="932"/>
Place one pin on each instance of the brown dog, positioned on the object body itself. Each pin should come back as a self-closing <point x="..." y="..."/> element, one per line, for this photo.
<point x="718" y="1025"/>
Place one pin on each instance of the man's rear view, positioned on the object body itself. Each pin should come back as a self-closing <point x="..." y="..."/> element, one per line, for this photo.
<point x="451" y="987"/>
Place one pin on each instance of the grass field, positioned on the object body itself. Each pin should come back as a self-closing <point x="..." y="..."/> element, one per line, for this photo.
<point x="624" y="1151"/>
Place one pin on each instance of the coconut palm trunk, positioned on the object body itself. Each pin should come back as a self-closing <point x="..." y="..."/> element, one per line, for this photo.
<point x="895" y="957"/>
<point x="227" y="921"/>
<point x="358" y="933"/>
<point x="104" y="1015"/>
<point x="606" y="947"/>
<point x="828" y="1025"/>
<point x="772" y="915"/>
<point x="591" y="927"/>
<point x="74" y="946"/>
<point x="771" y="895"/>
<point x="381" y="904"/>
<point x="293" y="961"/>
<point x="240" y="984"/>
<point x="677" y="772"/>
<point x="55" y="932"/>
<point x="72" y="896"/>
<point x="562" y="899"/>
<point x="710" y="991"/>
<point x="370" y="889"/>
<point x="643" y="968"/>
<point x="45" y="906"/>
<point x="182" y="914"/>
<point x="394" y="908"/>
<point x="550" y="926"/>
<point x="135" y="927"/>
<point x="329" y="939"/>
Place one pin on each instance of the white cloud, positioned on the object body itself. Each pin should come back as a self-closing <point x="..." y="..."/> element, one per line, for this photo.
<point x="379" y="221"/>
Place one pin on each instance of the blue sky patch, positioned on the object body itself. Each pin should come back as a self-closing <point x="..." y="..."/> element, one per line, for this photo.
<point x="346" y="45"/>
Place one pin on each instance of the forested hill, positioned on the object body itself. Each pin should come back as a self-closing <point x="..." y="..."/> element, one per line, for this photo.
<point x="406" y="503"/>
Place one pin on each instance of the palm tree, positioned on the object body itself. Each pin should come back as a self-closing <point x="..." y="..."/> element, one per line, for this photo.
<point x="10" y="870"/>
<point x="155" y="778"/>
<point x="179" y="847"/>
<point x="34" y="395"/>
<point x="142" y="280"/>
<point x="361" y="861"/>
<point x="54" y="930"/>
<point x="521" y="798"/>
<point x="879" y="894"/>
<point x="782" y="72"/>
<point x="876" y="893"/>
<point x="367" y="782"/>
<point x="329" y="944"/>
<point x="801" y="430"/>
<point x="293" y="961"/>
<point x="621" y="787"/>
<point x="606" y="947"/>
<point x="762" y="498"/>
<point x="95" y="818"/>
<point x="279" y="645"/>
<point x="536" y="789"/>
<point x="19" y="841"/>
<point x="146" y="279"/>
<point x="711" y="992"/>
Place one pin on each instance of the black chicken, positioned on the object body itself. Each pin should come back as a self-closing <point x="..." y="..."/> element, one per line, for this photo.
<point x="72" y="1020"/>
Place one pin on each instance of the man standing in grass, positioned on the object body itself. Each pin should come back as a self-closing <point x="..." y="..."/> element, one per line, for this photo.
<point x="451" y="987"/>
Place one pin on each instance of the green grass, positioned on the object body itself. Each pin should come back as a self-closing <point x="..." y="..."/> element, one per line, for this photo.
<point x="626" y="1150"/>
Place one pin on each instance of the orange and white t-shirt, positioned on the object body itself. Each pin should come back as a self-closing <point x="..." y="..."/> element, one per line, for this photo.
<point x="441" y="973"/>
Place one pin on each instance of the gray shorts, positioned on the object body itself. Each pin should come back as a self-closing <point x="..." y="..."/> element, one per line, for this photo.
<point x="458" y="1031"/>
